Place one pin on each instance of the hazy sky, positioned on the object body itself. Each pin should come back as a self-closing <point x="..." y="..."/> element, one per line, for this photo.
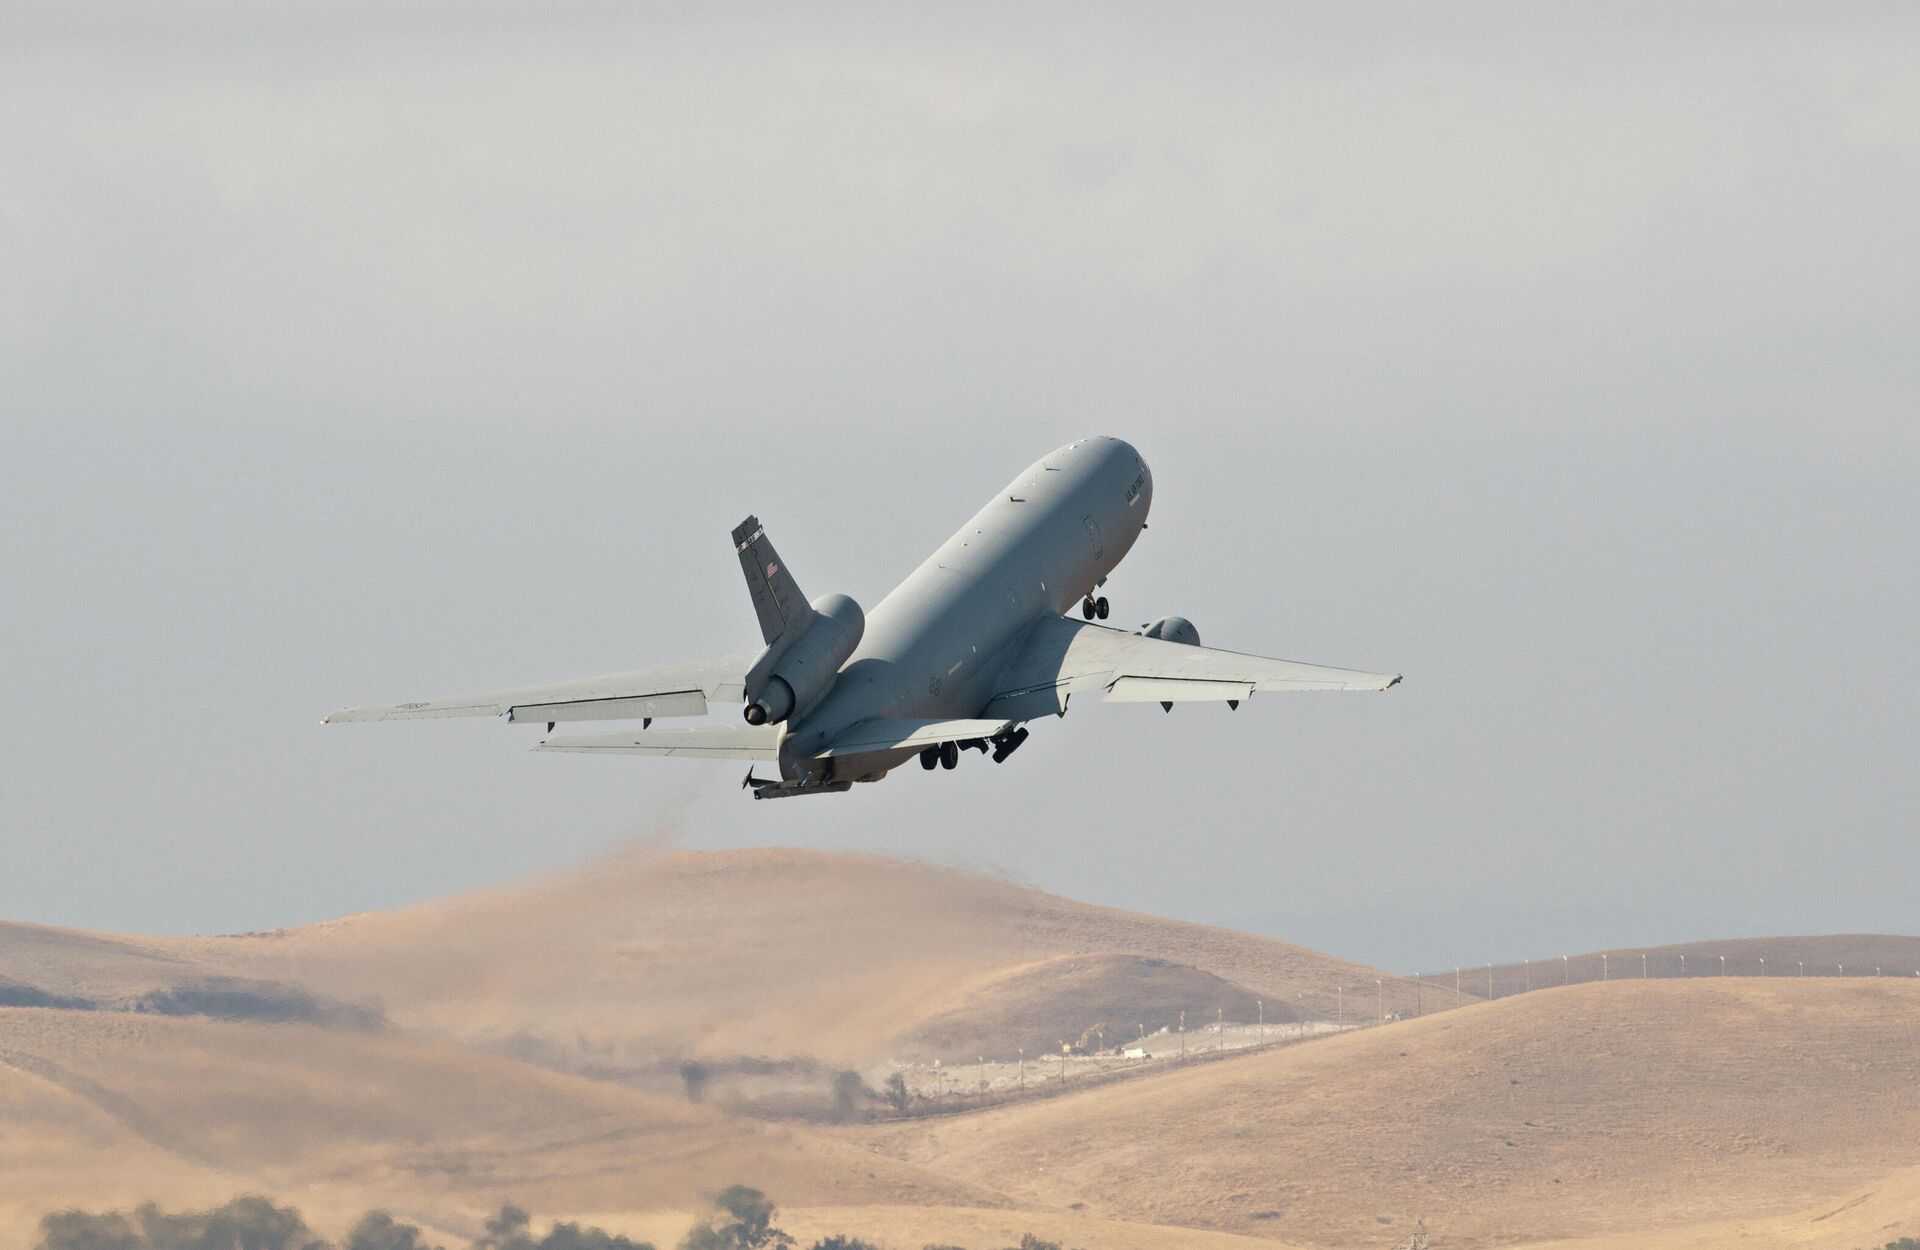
<point x="1564" y="358"/>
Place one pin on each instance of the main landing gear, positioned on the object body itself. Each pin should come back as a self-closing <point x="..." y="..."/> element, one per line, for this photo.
<point x="1091" y="607"/>
<point x="947" y="754"/>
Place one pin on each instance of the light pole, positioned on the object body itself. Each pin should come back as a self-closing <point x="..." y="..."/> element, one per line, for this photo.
<point x="1723" y="965"/>
<point x="1456" y="985"/>
<point x="1803" y="967"/>
<point x="1566" y="970"/>
<point x="1603" y="967"/>
<point x="1643" y="967"/>
<point x="1763" y="965"/>
<point x="1683" y="965"/>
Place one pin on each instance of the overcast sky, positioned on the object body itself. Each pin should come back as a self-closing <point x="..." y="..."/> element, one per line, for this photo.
<point x="1564" y="358"/>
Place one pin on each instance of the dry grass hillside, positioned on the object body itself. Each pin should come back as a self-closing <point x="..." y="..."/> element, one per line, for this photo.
<point x="642" y="957"/>
<point x="1600" y="1110"/>
<point x="1122" y="996"/>
<point x="104" y="1108"/>
<point x="1824" y="955"/>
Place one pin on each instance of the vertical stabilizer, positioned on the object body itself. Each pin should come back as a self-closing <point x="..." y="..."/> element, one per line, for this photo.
<point x="777" y="600"/>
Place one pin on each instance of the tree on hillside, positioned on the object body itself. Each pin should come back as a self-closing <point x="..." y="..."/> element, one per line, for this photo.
<point x="744" y="1222"/>
<point x="574" y="1237"/>
<point x="248" y="1222"/>
<point x="378" y="1230"/>
<point x="840" y="1241"/>
<point x="83" y="1230"/>
<point x="897" y="1094"/>
<point x="506" y="1231"/>
<point x="848" y="1089"/>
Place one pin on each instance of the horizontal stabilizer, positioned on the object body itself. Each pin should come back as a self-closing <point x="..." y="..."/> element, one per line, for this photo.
<point x="883" y="734"/>
<point x="675" y="690"/>
<point x="716" y="742"/>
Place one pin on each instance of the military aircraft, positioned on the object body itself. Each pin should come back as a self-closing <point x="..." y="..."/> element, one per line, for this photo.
<point x="972" y="646"/>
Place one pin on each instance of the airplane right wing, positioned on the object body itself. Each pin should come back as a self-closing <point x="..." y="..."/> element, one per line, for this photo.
<point x="1063" y="657"/>
<point x="676" y="690"/>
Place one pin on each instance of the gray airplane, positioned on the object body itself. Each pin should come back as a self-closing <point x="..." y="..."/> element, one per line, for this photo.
<point x="970" y="647"/>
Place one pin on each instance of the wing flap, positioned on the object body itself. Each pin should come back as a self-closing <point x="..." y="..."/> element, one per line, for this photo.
<point x="717" y="742"/>
<point x="633" y="707"/>
<point x="1175" y="690"/>
<point x="1061" y="656"/>
<point x="675" y="690"/>
<point x="890" y="734"/>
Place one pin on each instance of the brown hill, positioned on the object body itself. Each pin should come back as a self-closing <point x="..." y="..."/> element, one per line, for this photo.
<point x="641" y="958"/>
<point x="1629" y="1107"/>
<point x="103" y="1108"/>
<point x="1825" y="955"/>
<point x="1038" y="1006"/>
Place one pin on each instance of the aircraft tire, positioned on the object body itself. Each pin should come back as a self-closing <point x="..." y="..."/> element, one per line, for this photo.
<point x="1086" y="607"/>
<point x="949" y="755"/>
<point x="1100" y="607"/>
<point x="929" y="758"/>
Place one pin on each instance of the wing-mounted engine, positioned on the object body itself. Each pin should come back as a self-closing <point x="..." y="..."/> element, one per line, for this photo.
<point x="1173" y="629"/>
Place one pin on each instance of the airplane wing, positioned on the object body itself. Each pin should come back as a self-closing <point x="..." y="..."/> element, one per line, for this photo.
<point x="676" y="690"/>
<point x="715" y="742"/>
<point x="1062" y="657"/>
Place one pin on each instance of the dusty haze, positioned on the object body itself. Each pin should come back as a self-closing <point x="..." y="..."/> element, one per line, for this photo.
<point x="1558" y="357"/>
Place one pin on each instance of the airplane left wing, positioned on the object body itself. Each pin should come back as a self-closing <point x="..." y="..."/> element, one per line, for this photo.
<point x="1063" y="657"/>
<point x="676" y="690"/>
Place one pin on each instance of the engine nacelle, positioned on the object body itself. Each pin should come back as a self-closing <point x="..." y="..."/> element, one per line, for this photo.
<point x="804" y="669"/>
<point x="1174" y="629"/>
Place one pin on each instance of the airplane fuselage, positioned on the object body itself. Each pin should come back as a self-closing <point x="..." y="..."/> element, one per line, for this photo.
<point x="937" y="644"/>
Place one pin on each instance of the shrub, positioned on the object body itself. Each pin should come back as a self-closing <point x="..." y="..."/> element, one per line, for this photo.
<point x="744" y="1221"/>
<point x="848" y="1089"/>
<point x="378" y="1230"/>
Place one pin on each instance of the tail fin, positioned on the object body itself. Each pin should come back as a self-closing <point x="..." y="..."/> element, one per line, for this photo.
<point x="776" y="598"/>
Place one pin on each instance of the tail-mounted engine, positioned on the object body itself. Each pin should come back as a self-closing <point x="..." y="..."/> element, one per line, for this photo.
<point x="806" y="642"/>
<point x="799" y="667"/>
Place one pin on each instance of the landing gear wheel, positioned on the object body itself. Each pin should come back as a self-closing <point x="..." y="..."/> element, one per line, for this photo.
<point x="929" y="758"/>
<point x="949" y="755"/>
<point x="1086" y="607"/>
<point x="1100" y="607"/>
